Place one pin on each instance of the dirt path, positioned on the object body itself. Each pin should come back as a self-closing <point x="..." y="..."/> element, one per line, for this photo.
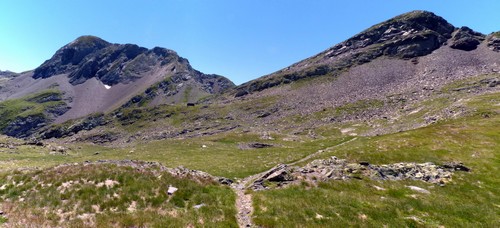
<point x="320" y="151"/>
<point x="244" y="201"/>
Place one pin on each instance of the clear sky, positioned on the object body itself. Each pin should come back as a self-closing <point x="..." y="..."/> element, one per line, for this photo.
<point x="241" y="40"/>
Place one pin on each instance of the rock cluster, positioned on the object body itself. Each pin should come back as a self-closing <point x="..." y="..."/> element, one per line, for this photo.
<point x="466" y="39"/>
<point x="339" y="169"/>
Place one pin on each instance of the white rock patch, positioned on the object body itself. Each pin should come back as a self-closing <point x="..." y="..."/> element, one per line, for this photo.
<point x="418" y="189"/>
<point x="171" y="190"/>
<point x="108" y="183"/>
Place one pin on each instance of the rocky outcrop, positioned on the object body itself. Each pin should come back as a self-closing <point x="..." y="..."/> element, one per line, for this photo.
<point x="494" y="41"/>
<point x="466" y="39"/>
<point x="68" y="129"/>
<point x="339" y="169"/>
<point x="22" y="127"/>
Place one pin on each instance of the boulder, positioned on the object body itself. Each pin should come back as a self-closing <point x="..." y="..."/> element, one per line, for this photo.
<point x="456" y="166"/>
<point x="258" y="145"/>
<point x="279" y="174"/>
<point x="466" y="39"/>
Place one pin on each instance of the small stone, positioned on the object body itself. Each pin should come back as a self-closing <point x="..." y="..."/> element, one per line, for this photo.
<point x="171" y="190"/>
<point x="418" y="189"/>
<point x="198" y="206"/>
<point x="362" y="217"/>
<point x="379" y="188"/>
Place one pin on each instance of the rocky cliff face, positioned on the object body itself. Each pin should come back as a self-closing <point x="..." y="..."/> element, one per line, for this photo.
<point x="406" y="37"/>
<point x="91" y="57"/>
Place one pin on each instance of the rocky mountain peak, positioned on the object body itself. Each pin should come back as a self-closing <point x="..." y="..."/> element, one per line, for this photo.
<point x="92" y="57"/>
<point x="424" y="19"/>
<point x="407" y="36"/>
<point x="70" y="56"/>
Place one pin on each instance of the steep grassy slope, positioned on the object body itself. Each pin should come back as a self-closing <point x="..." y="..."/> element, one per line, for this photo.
<point x="23" y="116"/>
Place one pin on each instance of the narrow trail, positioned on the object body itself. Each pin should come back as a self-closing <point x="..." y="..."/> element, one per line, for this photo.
<point x="244" y="205"/>
<point x="321" y="151"/>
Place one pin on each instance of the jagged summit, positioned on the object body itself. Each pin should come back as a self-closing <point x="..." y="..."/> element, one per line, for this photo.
<point x="407" y="36"/>
<point x="90" y="56"/>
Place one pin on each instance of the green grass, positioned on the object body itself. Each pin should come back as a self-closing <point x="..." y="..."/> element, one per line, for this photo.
<point x="221" y="156"/>
<point x="138" y="198"/>
<point x="471" y="200"/>
<point x="469" y="83"/>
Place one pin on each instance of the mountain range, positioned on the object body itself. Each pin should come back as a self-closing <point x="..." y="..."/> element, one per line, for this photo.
<point x="408" y="54"/>
<point x="395" y="126"/>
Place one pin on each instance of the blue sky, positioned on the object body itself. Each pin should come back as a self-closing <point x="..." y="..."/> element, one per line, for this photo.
<point x="242" y="40"/>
